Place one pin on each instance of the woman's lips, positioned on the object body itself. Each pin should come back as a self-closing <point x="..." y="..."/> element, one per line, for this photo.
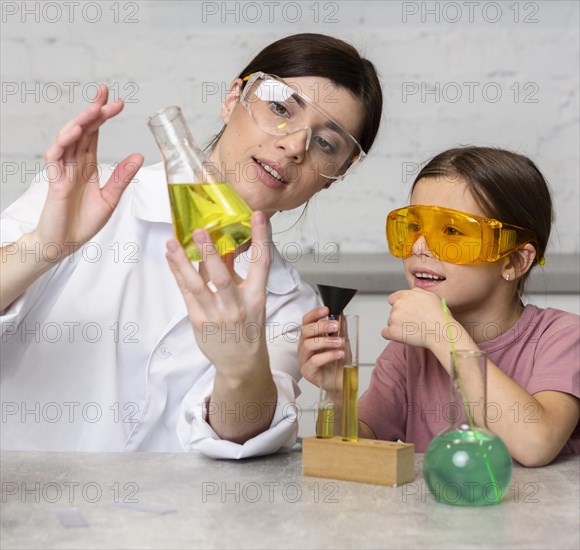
<point x="268" y="179"/>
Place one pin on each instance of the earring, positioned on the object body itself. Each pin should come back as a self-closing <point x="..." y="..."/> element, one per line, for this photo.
<point x="507" y="277"/>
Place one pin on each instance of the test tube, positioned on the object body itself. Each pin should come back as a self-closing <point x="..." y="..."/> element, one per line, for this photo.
<point x="336" y="299"/>
<point x="330" y="395"/>
<point x="349" y="331"/>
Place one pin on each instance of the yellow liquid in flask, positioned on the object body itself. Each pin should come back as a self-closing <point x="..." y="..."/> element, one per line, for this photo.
<point x="215" y="207"/>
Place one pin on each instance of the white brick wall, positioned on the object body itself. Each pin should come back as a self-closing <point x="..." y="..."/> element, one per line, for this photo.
<point x="159" y="53"/>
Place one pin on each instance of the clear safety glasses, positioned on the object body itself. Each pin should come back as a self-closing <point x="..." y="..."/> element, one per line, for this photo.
<point x="279" y="109"/>
<point x="453" y="236"/>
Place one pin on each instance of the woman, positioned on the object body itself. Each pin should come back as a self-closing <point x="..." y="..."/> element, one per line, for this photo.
<point x="97" y="346"/>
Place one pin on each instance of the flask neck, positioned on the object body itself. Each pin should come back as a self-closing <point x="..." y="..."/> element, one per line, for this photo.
<point x="468" y="402"/>
<point x="170" y="131"/>
<point x="184" y="161"/>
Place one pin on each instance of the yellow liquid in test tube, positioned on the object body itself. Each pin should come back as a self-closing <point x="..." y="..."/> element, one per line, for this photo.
<point x="212" y="206"/>
<point x="350" y="403"/>
<point x="325" y="420"/>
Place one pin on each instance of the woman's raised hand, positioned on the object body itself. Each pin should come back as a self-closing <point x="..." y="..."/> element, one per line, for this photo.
<point x="229" y="324"/>
<point x="76" y="206"/>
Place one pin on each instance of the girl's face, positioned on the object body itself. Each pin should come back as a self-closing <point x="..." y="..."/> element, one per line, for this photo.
<point x="245" y="149"/>
<point x="466" y="288"/>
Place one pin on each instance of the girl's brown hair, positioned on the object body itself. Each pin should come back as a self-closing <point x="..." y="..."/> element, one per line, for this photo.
<point x="507" y="186"/>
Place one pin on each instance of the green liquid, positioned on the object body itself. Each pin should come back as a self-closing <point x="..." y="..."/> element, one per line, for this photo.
<point x="467" y="468"/>
<point x="350" y="403"/>
<point x="212" y="206"/>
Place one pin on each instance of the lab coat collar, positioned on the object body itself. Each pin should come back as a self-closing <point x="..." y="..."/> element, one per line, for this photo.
<point x="150" y="203"/>
<point x="281" y="279"/>
<point x="150" y="200"/>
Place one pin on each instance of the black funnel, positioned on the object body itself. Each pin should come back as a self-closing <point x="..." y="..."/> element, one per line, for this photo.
<point x="336" y="298"/>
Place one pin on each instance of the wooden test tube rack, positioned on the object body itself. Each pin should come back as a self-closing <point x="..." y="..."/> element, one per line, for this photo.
<point x="365" y="460"/>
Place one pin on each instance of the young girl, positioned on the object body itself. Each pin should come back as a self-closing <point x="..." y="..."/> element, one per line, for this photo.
<point x="451" y="248"/>
<point x="97" y="346"/>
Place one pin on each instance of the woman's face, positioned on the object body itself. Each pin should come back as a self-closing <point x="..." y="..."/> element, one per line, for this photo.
<point x="247" y="154"/>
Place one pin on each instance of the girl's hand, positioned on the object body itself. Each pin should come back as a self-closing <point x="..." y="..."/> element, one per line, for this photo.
<point x="316" y="348"/>
<point x="76" y="207"/>
<point x="417" y="319"/>
<point x="229" y="324"/>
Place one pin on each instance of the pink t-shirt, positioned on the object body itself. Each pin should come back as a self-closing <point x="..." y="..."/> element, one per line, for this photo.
<point x="408" y="397"/>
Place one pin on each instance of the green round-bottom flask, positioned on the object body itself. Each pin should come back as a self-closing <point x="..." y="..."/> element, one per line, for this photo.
<point x="467" y="467"/>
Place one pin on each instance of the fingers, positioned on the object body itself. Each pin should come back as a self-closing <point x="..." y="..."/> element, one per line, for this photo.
<point x="316" y="347"/>
<point x="229" y="261"/>
<point x="387" y="333"/>
<point x="53" y="156"/>
<point x="120" y="178"/>
<point x="317" y="343"/>
<point x="311" y="369"/>
<point x="229" y="298"/>
<point x="101" y="111"/>
<point x="62" y="141"/>
<point x="315" y="315"/>
<point x="101" y="96"/>
<point x="261" y="255"/>
<point x="81" y="119"/>
<point x="191" y="285"/>
<point x="79" y="134"/>
<point x="217" y="272"/>
<point x="396" y="295"/>
<point x="319" y="329"/>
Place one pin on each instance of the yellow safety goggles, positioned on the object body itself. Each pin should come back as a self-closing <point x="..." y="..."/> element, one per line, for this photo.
<point x="453" y="236"/>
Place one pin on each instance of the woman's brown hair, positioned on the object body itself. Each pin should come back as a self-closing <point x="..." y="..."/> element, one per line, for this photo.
<point x="310" y="54"/>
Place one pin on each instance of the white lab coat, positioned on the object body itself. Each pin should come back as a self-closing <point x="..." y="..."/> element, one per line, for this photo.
<point x="99" y="354"/>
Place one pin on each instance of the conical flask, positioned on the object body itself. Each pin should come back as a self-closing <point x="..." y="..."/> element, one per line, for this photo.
<point x="467" y="464"/>
<point x="199" y="195"/>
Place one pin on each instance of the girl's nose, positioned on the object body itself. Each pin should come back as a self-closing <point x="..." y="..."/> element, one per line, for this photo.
<point x="421" y="248"/>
